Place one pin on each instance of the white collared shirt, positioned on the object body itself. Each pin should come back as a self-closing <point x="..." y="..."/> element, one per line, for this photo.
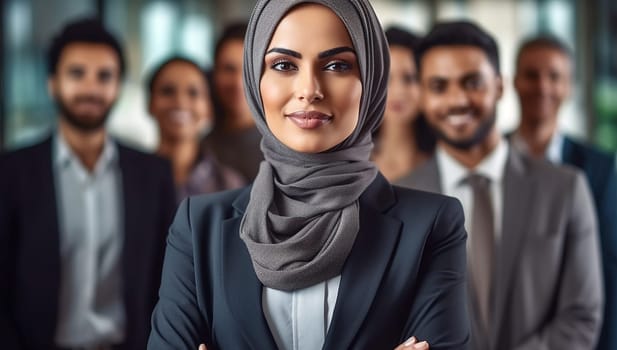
<point x="553" y="152"/>
<point x="453" y="175"/>
<point x="299" y="320"/>
<point x="91" y="309"/>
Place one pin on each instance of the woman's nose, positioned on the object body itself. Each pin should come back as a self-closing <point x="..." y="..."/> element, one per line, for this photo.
<point x="308" y="87"/>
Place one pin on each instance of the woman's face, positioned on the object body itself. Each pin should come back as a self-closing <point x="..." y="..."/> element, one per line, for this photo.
<point x="403" y="87"/>
<point x="180" y="102"/>
<point x="311" y="87"/>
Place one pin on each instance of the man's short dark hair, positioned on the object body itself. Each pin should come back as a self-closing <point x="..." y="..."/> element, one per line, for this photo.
<point x="460" y="33"/>
<point x="234" y="31"/>
<point x="86" y="30"/>
<point x="544" y="41"/>
<point x="401" y="37"/>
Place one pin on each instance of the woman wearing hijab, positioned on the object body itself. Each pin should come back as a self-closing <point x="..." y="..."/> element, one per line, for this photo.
<point x="321" y="251"/>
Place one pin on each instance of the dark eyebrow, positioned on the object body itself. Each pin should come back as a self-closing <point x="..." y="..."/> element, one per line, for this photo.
<point x="285" y="52"/>
<point x="321" y="55"/>
<point x="335" y="51"/>
<point x="471" y="75"/>
<point x="73" y="66"/>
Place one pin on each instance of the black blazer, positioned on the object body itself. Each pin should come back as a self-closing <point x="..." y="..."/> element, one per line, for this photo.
<point x="405" y="276"/>
<point x="599" y="167"/>
<point x="30" y="253"/>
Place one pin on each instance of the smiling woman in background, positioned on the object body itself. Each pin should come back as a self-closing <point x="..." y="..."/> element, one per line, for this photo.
<point x="321" y="252"/>
<point x="179" y="102"/>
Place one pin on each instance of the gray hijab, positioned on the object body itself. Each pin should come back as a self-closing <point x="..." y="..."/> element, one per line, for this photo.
<point x="302" y="218"/>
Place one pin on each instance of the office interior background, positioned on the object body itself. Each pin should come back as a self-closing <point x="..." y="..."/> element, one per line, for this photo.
<point x="151" y="30"/>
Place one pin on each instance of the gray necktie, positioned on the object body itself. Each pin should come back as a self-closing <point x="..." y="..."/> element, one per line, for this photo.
<point x="481" y="246"/>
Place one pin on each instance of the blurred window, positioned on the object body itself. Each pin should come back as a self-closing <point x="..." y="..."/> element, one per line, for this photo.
<point x="154" y="29"/>
<point x="27" y="27"/>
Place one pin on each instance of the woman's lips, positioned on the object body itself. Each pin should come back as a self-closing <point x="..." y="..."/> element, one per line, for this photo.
<point x="309" y="120"/>
<point x="179" y="116"/>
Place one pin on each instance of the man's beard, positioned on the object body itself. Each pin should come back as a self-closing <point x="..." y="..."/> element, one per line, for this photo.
<point x="82" y="123"/>
<point x="479" y="135"/>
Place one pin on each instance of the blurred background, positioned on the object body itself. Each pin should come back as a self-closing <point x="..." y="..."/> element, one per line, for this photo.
<point x="154" y="29"/>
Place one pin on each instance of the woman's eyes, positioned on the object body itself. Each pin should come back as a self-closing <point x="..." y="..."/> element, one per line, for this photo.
<point x="334" y="66"/>
<point x="409" y="79"/>
<point x="339" y="66"/>
<point x="167" y="90"/>
<point x="283" y="66"/>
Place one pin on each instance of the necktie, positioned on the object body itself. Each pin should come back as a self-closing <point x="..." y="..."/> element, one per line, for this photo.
<point x="481" y="246"/>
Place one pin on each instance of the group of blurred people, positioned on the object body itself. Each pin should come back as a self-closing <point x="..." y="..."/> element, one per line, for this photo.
<point x="544" y="275"/>
<point x="83" y="218"/>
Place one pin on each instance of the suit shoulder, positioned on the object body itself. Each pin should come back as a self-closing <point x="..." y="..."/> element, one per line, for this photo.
<point x="25" y="162"/>
<point x="544" y="168"/>
<point x="405" y="194"/>
<point x="26" y="154"/>
<point x="420" y="201"/>
<point x="217" y="198"/>
<point x="221" y="202"/>
<point x="439" y="216"/>
<point x="558" y="177"/>
<point x="592" y="153"/>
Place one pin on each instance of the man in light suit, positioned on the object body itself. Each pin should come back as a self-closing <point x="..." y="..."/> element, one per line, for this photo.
<point x="543" y="81"/>
<point x="83" y="219"/>
<point x="535" y="278"/>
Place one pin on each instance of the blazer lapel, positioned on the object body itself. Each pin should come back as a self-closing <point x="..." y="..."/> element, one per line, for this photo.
<point x="518" y="192"/>
<point x="48" y="207"/>
<point x="570" y="153"/>
<point x="130" y="217"/>
<point x="242" y="288"/>
<point x="365" y="266"/>
<point x="44" y="240"/>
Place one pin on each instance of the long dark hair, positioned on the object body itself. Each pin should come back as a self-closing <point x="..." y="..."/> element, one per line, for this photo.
<point x="424" y="134"/>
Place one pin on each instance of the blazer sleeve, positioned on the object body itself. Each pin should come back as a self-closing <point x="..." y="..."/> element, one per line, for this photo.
<point x="176" y="319"/>
<point x="8" y="332"/>
<point x="579" y="306"/>
<point x="439" y="310"/>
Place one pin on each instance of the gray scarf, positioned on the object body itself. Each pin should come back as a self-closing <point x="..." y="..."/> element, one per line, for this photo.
<point x="302" y="217"/>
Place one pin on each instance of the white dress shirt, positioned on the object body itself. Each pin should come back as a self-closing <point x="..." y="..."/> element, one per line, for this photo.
<point x="453" y="176"/>
<point x="299" y="320"/>
<point x="553" y="152"/>
<point x="91" y="309"/>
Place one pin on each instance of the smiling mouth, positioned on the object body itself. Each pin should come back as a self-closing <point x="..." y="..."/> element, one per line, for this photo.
<point x="180" y="116"/>
<point x="458" y="120"/>
<point x="310" y="119"/>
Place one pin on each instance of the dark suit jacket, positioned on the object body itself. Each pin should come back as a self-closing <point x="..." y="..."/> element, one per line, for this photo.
<point x="405" y="276"/>
<point x="30" y="253"/>
<point x="599" y="168"/>
<point x="547" y="286"/>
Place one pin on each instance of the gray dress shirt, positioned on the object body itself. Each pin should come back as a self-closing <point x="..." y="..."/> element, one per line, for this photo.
<point x="91" y="310"/>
